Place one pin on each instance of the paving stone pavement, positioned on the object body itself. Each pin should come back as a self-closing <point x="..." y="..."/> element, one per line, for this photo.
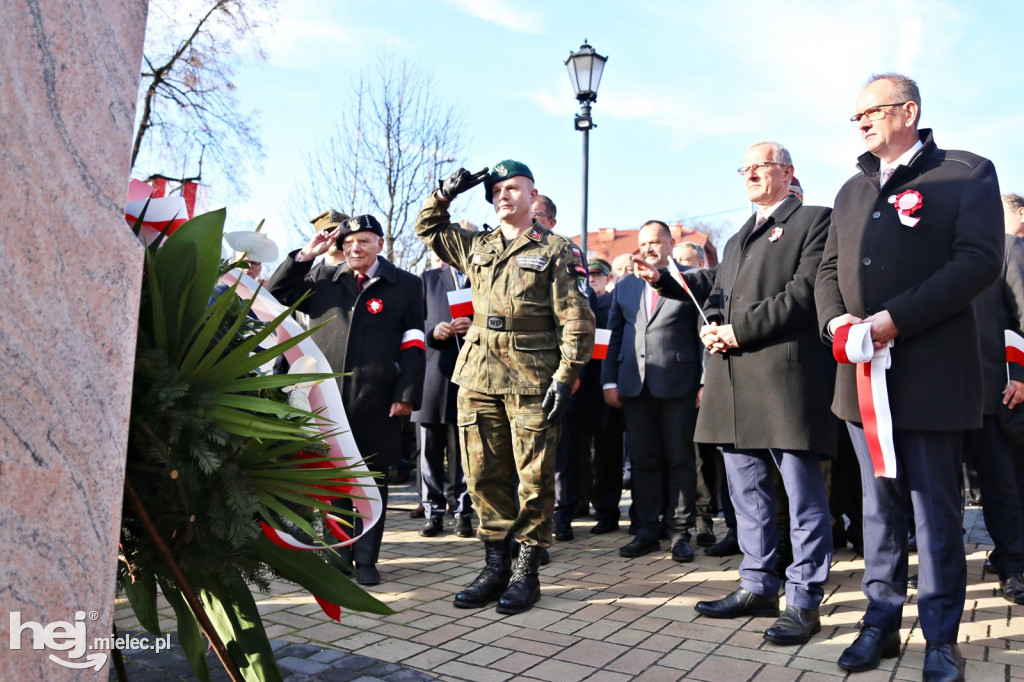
<point x="601" y="618"/>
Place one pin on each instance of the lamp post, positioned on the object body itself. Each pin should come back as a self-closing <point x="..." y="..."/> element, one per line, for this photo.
<point x="585" y="68"/>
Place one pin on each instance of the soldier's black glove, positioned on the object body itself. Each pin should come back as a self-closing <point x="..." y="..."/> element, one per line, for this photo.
<point x="556" y="400"/>
<point x="459" y="182"/>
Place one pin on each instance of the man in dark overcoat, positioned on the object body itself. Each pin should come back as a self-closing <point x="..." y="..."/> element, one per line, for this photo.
<point x="766" y="390"/>
<point x="998" y="308"/>
<point x="376" y="338"/>
<point x="437" y="417"/>
<point x="915" y="236"/>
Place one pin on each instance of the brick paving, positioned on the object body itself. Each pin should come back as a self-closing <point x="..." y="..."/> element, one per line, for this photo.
<point x="601" y="618"/>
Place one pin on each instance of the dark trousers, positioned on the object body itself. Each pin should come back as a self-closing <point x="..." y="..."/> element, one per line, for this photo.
<point x="707" y="502"/>
<point x="992" y="455"/>
<point x="585" y="428"/>
<point x="928" y="467"/>
<point x="662" y="452"/>
<point x="366" y="550"/>
<point x="752" y="486"/>
<point x="437" y="440"/>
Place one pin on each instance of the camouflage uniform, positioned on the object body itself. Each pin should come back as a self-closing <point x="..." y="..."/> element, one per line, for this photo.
<point x="531" y="324"/>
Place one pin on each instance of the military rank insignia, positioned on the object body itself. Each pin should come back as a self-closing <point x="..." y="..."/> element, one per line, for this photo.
<point x="537" y="263"/>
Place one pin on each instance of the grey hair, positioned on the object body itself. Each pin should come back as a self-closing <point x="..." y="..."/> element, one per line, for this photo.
<point x="779" y="153"/>
<point x="904" y="89"/>
<point x="1014" y="202"/>
<point x="697" y="249"/>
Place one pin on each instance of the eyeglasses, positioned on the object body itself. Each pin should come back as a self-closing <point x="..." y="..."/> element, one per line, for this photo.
<point x="538" y="214"/>
<point x="874" y="113"/>
<point x="758" y="166"/>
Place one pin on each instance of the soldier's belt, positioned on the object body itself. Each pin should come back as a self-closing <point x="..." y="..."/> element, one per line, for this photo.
<point x="514" y="324"/>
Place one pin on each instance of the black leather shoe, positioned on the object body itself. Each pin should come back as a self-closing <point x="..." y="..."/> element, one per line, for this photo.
<point x="705" y="536"/>
<point x="639" y="546"/>
<point x="728" y="545"/>
<point x="492" y="581"/>
<point x="367" y="574"/>
<point x="988" y="567"/>
<point x="681" y="551"/>
<point x="604" y="526"/>
<point x="740" y="603"/>
<point x="545" y="557"/>
<point x="794" y="626"/>
<point x="418" y="512"/>
<point x="871" y="646"/>
<point x="1013" y="587"/>
<point x="912" y="581"/>
<point x="431" y="528"/>
<point x="942" y="663"/>
<point x="463" y="526"/>
<point x="563" y="531"/>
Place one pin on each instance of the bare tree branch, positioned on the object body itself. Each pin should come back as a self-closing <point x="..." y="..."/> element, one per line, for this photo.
<point x="383" y="157"/>
<point x="187" y="101"/>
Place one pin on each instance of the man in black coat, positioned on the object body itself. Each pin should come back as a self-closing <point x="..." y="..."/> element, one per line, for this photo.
<point x="376" y="338"/>
<point x="437" y="416"/>
<point x="915" y="237"/>
<point x="653" y="372"/>
<point x="765" y="401"/>
<point x="998" y="308"/>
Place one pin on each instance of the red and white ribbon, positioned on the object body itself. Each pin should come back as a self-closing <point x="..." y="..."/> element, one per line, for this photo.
<point x="414" y="338"/>
<point x="460" y="302"/>
<point x="852" y="345"/>
<point x="326" y="396"/>
<point x="601" y="339"/>
<point x="161" y="210"/>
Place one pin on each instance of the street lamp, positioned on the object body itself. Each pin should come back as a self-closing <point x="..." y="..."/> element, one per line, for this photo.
<point x="585" y="69"/>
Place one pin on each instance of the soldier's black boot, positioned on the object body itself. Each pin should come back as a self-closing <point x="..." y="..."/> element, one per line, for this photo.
<point x="492" y="581"/>
<point x="524" y="587"/>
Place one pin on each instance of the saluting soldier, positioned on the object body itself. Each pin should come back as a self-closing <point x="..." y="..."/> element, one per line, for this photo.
<point x="532" y="332"/>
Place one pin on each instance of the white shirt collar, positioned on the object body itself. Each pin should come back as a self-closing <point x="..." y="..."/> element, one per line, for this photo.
<point x="766" y="211"/>
<point x="903" y="160"/>
<point x="372" y="272"/>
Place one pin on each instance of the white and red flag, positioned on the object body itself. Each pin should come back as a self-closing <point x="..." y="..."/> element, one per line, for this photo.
<point x="678" y="276"/>
<point x="1014" y="346"/>
<point x="601" y="339"/>
<point x="460" y="302"/>
<point x="852" y="344"/>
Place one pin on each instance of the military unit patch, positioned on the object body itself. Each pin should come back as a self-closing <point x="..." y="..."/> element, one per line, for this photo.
<point x="581" y="284"/>
<point x="532" y="262"/>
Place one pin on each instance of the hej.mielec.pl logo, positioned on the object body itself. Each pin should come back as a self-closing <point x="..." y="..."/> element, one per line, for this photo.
<point x="70" y="637"/>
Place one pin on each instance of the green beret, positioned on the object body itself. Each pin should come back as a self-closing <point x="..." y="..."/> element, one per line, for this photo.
<point x="600" y="264"/>
<point x="504" y="170"/>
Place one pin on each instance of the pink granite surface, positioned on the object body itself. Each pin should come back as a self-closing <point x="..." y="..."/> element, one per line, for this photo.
<point x="69" y="287"/>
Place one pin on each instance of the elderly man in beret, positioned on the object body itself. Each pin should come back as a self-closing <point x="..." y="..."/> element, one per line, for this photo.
<point x="376" y="339"/>
<point x="532" y="332"/>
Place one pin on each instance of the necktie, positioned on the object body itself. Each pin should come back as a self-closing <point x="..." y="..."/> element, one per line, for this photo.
<point x="360" y="282"/>
<point x="886" y="174"/>
<point x="654" y="302"/>
<point x="761" y="220"/>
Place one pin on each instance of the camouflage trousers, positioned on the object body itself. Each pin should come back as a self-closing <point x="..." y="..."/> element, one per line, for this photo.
<point x="508" y="455"/>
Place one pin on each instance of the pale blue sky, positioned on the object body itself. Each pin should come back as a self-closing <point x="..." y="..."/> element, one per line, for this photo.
<point x="687" y="88"/>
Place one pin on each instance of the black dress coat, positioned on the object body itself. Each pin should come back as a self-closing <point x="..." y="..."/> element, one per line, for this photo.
<point x="925" y="276"/>
<point x="439" y="393"/>
<point x="774" y="390"/>
<point x="365" y="344"/>
<point x="998" y="308"/>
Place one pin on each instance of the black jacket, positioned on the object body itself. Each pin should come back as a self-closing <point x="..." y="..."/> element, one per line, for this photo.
<point x="925" y="276"/>
<point x="372" y="338"/>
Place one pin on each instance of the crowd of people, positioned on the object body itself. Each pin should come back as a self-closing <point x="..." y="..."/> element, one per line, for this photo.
<point x="821" y="386"/>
